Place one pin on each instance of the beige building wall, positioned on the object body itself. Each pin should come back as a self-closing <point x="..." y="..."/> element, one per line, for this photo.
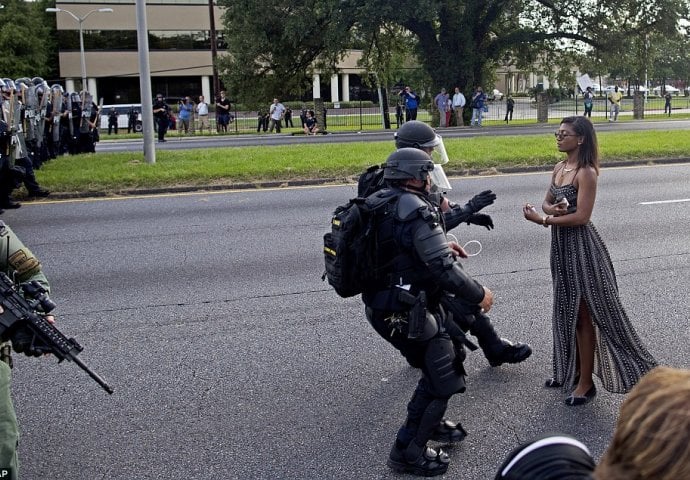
<point x="163" y="63"/>
<point x="123" y="17"/>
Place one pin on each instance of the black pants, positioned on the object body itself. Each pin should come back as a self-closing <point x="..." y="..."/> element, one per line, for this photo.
<point x="29" y="178"/>
<point x="162" y="124"/>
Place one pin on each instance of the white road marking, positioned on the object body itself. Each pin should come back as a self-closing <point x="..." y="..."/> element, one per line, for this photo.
<point x="666" y="201"/>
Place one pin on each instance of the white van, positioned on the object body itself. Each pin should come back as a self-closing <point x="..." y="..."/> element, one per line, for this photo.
<point x="122" y="116"/>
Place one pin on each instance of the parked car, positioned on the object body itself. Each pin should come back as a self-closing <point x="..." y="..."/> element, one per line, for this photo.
<point x="668" y="88"/>
<point x="122" y="116"/>
<point x="495" y="95"/>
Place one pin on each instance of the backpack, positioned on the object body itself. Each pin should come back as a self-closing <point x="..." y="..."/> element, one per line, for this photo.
<point x="348" y="248"/>
<point x="370" y="181"/>
<point x="351" y="250"/>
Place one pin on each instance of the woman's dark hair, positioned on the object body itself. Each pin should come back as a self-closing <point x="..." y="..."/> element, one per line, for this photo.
<point x="589" y="149"/>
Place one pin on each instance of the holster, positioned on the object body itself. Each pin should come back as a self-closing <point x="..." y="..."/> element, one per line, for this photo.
<point x="422" y="325"/>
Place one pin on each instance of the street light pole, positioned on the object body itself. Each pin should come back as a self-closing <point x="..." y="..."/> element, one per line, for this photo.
<point x="80" y="21"/>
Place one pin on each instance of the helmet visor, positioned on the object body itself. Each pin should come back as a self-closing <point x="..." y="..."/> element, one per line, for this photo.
<point x="438" y="178"/>
<point x="436" y="149"/>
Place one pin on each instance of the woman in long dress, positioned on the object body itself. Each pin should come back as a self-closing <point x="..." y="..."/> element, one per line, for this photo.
<point x="592" y="334"/>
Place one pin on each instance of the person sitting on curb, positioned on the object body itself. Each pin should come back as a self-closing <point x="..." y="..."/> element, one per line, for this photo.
<point x="310" y="126"/>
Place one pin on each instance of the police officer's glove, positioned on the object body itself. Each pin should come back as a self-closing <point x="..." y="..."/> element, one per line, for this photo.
<point x="24" y="341"/>
<point x="481" y="219"/>
<point x="481" y="200"/>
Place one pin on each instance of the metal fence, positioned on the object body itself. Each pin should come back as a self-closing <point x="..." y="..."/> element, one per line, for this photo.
<point x="525" y="111"/>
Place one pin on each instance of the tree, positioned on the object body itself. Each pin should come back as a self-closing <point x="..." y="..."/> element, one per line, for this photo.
<point x="275" y="46"/>
<point x="25" y="40"/>
<point x="645" y="45"/>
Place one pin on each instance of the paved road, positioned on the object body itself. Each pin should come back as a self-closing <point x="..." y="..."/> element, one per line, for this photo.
<point x="232" y="360"/>
<point x="184" y="143"/>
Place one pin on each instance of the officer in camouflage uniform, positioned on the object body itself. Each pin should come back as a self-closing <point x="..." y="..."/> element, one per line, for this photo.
<point x="416" y="267"/>
<point x="18" y="263"/>
<point x="497" y="350"/>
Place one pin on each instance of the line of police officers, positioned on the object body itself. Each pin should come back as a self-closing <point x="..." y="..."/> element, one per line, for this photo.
<point x="38" y="123"/>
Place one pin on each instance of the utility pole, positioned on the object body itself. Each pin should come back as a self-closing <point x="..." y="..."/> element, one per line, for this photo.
<point x="214" y="49"/>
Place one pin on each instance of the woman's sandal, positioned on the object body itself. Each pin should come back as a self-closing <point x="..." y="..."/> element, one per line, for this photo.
<point x="553" y="383"/>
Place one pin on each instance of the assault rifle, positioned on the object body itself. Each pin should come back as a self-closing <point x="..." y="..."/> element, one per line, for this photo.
<point x="20" y="316"/>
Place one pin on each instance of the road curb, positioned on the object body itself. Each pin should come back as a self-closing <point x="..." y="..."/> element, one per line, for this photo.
<point x="469" y="172"/>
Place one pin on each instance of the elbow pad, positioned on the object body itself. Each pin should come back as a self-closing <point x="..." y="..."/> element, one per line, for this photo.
<point x="457" y="281"/>
<point x="432" y="248"/>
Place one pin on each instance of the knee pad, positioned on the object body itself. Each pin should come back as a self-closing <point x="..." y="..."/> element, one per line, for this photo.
<point x="441" y="368"/>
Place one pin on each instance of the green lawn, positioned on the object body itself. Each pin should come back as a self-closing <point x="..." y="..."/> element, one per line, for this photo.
<point x="110" y="173"/>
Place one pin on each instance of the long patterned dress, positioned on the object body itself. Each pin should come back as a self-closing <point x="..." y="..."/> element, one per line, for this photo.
<point x="582" y="271"/>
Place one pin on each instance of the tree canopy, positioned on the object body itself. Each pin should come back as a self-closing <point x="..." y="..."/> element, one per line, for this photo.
<point x="273" y="47"/>
<point x="26" y="40"/>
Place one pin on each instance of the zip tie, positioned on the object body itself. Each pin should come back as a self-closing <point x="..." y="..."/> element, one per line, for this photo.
<point x="475" y="253"/>
<point x="453" y="238"/>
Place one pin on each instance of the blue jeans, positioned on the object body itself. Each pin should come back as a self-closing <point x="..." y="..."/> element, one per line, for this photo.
<point x="476" y="115"/>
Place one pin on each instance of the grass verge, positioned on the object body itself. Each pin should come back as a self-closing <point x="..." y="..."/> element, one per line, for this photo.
<point x="113" y="173"/>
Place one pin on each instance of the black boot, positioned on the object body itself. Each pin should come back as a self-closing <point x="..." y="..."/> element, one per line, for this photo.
<point x="9" y="205"/>
<point x="418" y="460"/>
<point x="508" y="353"/>
<point x="497" y="350"/>
<point x="449" y="432"/>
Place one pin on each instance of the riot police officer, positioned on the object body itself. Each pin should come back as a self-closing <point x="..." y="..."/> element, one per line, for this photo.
<point x="497" y="350"/>
<point x="417" y="267"/>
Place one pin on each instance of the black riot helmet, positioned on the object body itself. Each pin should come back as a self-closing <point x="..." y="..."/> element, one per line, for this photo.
<point x="548" y="457"/>
<point x="26" y="82"/>
<point x="408" y="163"/>
<point x="416" y="134"/>
<point x="38" y="81"/>
<point x="412" y="163"/>
<point x="9" y="85"/>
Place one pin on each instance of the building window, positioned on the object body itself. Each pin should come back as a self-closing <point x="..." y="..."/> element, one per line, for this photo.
<point x="127" y="40"/>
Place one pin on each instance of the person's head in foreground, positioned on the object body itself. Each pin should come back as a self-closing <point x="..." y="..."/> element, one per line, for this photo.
<point x="652" y="437"/>
<point x="548" y="457"/>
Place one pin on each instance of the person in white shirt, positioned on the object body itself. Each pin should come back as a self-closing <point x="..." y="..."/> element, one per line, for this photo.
<point x="202" y="112"/>
<point x="459" y="102"/>
<point x="276" y="112"/>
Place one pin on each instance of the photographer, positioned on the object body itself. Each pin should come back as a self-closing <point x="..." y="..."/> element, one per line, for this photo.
<point x="411" y="100"/>
<point x="19" y="263"/>
<point x="186" y="112"/>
